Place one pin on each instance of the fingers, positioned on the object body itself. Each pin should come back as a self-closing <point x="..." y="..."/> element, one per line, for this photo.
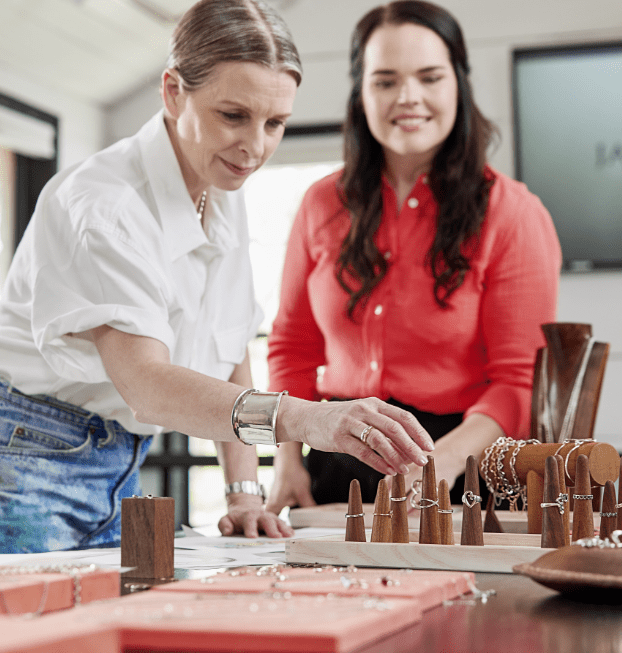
<point x="272" y="526"/>
<point x="366" y="454"/>
<point x="405" y="431"/>
<point x="250" y="522"/>
<point x="225" y="526"/>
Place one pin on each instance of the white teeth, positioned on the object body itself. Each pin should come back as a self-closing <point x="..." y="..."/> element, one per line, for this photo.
<point x="410" y="122"/>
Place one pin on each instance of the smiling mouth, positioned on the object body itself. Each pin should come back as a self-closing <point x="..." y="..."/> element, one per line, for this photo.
<point x="411" y="122"/>
<point x="241" y="172"/>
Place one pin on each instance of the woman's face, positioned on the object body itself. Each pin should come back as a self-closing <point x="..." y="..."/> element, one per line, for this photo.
<point x="227" y="129"/>
<point x="409" y="93"/>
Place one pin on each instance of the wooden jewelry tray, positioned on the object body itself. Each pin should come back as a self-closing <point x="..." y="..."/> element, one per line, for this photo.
<point x="501" y="551"/>
<point x="332" y="515"/>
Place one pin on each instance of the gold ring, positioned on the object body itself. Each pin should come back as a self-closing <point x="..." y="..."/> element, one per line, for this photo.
<point x="365" y="434"/>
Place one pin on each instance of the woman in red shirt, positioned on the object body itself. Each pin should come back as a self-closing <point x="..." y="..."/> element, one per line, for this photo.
<point x="417" y="274"/>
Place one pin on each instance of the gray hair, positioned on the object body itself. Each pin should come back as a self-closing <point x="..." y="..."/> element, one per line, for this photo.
<point x="217" y="31"/>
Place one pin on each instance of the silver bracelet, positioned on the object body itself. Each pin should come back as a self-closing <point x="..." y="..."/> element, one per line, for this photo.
<point x="246" y="487"/>
<point x="254" y="416"/>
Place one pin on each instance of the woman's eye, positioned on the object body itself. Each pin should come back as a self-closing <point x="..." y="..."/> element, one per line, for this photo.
<point x="385" y="83"/>
<point x="275" y="124"/>
<point x="432" y="80"/>
<point x="233" y="117"/>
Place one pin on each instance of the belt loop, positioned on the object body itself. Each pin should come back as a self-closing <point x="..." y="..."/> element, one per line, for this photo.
<point x="110" y="432"/>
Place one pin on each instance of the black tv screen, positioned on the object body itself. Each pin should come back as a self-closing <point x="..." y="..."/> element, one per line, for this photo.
<point x="568" y="145"/>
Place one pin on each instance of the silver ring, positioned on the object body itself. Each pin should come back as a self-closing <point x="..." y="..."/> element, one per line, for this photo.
<point x="469" y="499"/>
<point x="365" y="434"/>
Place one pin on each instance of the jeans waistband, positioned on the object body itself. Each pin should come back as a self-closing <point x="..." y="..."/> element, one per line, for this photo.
<point x="62" y="410"/>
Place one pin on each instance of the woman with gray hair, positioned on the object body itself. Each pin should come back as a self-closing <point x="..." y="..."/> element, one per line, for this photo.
<point x="129" y="305"/>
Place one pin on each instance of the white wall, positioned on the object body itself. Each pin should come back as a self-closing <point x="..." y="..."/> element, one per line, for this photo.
<point x="492" y="28"/>
<point x="80" y="123"/>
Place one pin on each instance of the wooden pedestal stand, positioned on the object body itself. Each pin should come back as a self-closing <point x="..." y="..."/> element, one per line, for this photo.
<point x="147" y="537"/>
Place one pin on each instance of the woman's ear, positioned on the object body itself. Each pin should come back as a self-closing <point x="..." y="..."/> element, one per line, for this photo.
<point x="172" y="93"/>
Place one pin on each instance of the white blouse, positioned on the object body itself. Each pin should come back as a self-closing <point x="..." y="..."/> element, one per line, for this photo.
<point x="116" y="240"/>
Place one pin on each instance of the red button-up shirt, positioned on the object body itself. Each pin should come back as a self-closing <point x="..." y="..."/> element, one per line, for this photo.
<point x="476" y="356"/>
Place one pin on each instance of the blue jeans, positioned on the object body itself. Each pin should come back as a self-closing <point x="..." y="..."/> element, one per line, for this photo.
<point x="63" y="473"/>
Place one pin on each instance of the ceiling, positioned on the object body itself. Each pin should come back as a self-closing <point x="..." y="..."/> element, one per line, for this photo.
<point x="95" y="50"/>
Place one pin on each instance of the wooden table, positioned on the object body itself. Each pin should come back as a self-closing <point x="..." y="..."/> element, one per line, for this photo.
<point x="523" y="617"/>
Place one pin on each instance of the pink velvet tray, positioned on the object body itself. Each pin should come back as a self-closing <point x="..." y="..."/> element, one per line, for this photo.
<point x="429" y="588"/>
<point x="48" y="592"/>
<point x="209" y="622"/>
<point x="48" y="634"/>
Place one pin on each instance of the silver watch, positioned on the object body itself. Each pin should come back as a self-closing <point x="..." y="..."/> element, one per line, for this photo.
<point x="246" y="487"/>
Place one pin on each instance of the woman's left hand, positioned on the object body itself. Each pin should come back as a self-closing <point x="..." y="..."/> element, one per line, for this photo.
<point x="246" y="515"/>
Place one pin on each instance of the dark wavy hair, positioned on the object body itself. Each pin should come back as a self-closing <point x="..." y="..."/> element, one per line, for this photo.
<point x="456" y="177"/>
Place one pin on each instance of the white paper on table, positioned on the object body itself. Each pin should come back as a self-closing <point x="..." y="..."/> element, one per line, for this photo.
<point x="194" y="551"/>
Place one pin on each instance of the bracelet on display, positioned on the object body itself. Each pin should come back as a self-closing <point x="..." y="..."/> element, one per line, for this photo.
<point x="246" y="487"/>
<point x="254" y="416"/>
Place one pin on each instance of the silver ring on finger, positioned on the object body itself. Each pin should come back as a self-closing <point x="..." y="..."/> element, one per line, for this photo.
<point x="365" y="434"/>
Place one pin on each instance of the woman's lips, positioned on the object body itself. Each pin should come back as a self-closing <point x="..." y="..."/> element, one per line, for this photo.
<point x="410" y="123"/>
<point x="237" y="170"/>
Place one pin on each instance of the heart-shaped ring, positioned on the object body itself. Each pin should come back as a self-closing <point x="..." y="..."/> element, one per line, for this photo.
<point x="469" y="499"/>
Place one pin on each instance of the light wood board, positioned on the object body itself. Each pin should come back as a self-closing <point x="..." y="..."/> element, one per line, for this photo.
<point x="332" y="515"/>
<point x="501" y="551"/>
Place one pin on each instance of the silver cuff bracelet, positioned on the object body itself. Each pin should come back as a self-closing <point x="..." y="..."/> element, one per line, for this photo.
<point x="254" y="416"/>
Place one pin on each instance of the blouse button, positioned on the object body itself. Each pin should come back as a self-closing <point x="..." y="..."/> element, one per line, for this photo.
<point x="373" y="366"/>
<point x="378" y="309"/>
<point x="413" y="202"/>
<point x="387" y="256"/>
<point x="425" y="179"/>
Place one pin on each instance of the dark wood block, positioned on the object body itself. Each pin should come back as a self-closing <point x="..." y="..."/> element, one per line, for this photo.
<point x="147" y="536"/>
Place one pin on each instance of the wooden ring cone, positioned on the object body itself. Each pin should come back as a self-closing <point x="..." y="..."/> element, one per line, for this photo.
<point x="472" y="533"/>
<point x="552" y="519"/>
<point x="583" y="515"/>
<point x="445" y="520"/>
<point x="381" y="526"/>
<point x="399" y="509"/>
<point x="355" y="520"/>
<point x="609" y="513"/>
<point x="429" y="532"/>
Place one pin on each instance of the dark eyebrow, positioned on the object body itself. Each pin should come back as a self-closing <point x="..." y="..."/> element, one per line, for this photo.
<point x="429" y="69"/>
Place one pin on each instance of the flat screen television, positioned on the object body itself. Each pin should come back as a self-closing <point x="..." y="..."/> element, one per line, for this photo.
<point x="568" y="145"/>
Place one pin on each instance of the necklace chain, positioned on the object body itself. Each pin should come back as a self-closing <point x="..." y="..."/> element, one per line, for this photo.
<point x="202" y="205"/>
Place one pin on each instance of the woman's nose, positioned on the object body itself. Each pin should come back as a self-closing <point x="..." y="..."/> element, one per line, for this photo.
<point x="254" y="143"/>
<point x="410" y="92"/>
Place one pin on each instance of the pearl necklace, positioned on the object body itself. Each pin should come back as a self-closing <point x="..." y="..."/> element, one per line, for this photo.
<point x="202" y="205"/>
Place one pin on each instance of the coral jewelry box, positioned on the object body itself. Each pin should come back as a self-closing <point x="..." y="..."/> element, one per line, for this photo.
<point x="25" y="590"/>
<point x="429" y="588"/>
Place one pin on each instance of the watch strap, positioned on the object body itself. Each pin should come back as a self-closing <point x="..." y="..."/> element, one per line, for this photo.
<point x="246" y="487"/>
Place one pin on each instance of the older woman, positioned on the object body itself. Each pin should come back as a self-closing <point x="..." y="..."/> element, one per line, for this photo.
<point x="418" y="274"/>
<point x="129" y="305"/>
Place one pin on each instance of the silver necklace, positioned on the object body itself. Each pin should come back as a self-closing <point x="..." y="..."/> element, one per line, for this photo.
<point x="202" y="205"/>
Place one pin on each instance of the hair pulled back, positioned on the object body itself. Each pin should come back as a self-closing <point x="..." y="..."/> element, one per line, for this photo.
<point x="217" y="31"/>
<point x="456" y="177"/>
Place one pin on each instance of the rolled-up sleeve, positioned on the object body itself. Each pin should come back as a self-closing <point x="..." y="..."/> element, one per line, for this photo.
<point x="99" y="275"/>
